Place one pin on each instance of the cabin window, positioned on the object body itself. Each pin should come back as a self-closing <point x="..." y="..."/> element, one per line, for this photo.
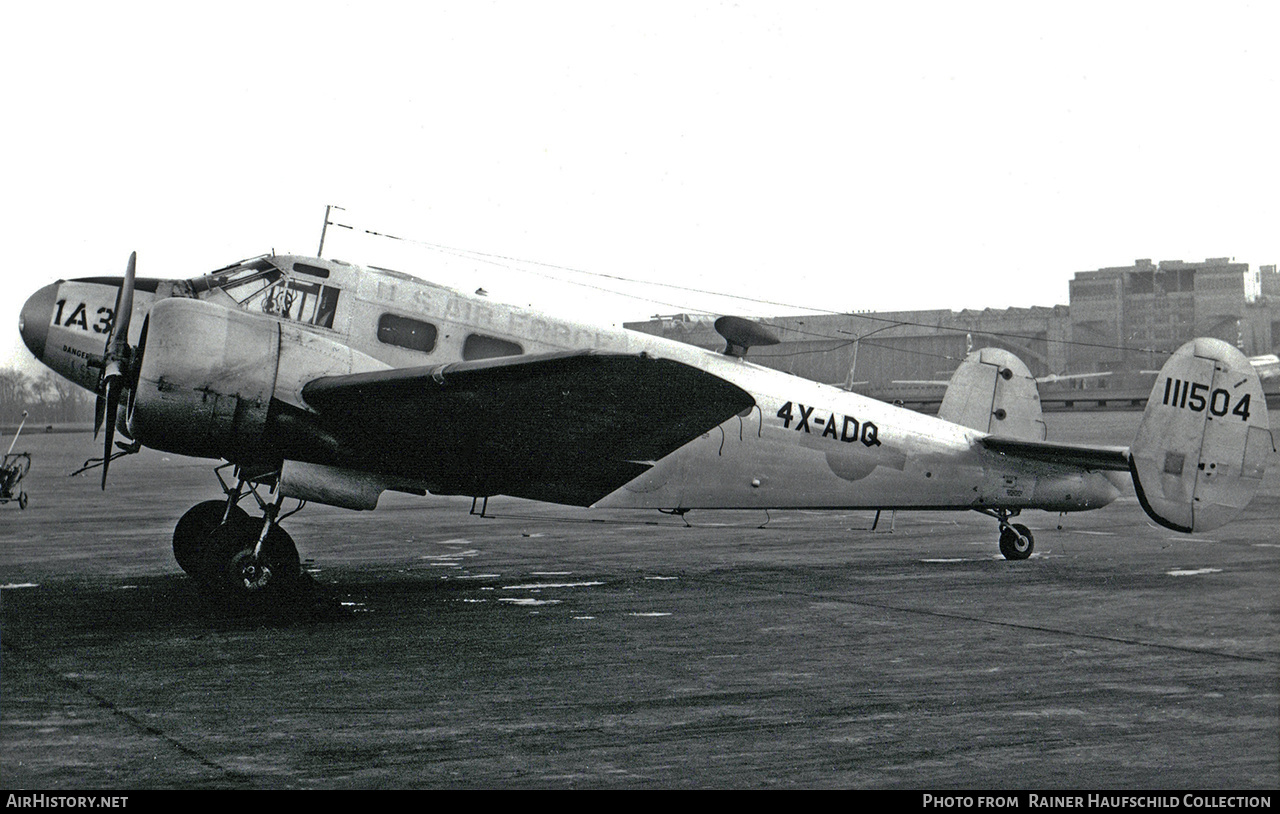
<point x="406" y="333"/>
<point x="479" y="346"/>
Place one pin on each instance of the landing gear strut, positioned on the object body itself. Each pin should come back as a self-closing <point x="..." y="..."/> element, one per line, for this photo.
<point x="1016" y="540"/>
<point x="234" y="556"/>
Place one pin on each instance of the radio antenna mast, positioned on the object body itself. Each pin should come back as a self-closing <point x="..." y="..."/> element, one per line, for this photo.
<point x="325" y="228"/>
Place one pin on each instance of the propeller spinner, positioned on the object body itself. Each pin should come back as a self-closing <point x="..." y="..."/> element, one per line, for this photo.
<point x="117" y="361"/>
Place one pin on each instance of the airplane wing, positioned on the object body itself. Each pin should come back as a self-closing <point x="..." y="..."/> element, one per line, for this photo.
<point x="1098" y="458"/>
<point x="561" y="427"/>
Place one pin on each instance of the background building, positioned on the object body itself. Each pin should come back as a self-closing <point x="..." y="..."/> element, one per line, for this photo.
<point x="907" y="355"/>
<point x="1122" y="322"/>
<point x="1129" y="318"/>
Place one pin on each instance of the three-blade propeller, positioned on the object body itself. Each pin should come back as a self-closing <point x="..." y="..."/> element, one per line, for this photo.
<point x="117" y="360"/>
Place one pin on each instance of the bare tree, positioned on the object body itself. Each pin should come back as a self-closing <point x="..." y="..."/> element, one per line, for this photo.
<point x="14" y="393"/>
<point x="63" y="401"/>
<point x="47" y="397"/>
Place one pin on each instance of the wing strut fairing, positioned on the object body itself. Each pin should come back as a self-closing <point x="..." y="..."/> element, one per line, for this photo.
<point x="563" y="427"/>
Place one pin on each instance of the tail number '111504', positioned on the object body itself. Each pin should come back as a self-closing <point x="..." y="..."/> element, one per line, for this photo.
<point x="1196" y="397"/>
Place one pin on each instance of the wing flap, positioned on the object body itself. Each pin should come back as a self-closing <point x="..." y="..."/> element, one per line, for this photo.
<point x="563" y="427"/>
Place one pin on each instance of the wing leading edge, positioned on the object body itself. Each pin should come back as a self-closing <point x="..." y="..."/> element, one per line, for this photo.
<point x="564" y="427"/>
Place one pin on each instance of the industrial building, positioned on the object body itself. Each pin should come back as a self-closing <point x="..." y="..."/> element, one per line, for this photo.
<point x="1121" y="322"/>
<point x="1129" y="318"/>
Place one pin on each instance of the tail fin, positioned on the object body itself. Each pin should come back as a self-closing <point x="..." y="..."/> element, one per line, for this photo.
<point x="993" y="391"/>
<point x="1202" y="447"/>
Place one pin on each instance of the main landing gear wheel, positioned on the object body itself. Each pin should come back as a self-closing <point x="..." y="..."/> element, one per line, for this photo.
<point x="1016" y="542"/>
<point x="244" y="563"/>
<point x="233" y="572"/>
<point x="192" y="534"/>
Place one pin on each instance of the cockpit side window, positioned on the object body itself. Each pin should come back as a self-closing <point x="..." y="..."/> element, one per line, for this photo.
<point x="312" y="303"/>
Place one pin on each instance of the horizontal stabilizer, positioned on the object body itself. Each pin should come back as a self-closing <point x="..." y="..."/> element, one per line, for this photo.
<point x="1115" y="459"/>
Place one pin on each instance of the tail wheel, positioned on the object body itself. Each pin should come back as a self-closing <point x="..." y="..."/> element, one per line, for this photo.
<point x="1016" y="542"/>
<point x="192" y="534"/>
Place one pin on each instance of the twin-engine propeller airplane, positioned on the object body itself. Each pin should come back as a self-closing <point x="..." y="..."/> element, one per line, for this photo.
<point x="324" y="381"/>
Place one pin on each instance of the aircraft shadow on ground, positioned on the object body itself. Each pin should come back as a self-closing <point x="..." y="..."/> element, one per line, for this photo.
<point x="175" y="602"/>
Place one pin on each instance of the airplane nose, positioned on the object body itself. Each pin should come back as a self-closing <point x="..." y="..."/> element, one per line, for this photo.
<point x="33" y="324"/>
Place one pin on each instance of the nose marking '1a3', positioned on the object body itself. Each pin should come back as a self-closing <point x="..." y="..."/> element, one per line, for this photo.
<point x="78" y="318"/>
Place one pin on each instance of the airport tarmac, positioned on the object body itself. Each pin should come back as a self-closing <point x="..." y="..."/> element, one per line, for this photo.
<point x="548" y="647"/>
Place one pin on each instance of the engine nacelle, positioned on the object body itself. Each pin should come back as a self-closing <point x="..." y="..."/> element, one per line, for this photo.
<point x="206" y="380"/>
<point x="209" y="373"/>
<point x="335" y="486"/>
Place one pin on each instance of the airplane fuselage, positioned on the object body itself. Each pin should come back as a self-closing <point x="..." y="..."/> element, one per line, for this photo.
<point x="803" y="444"/>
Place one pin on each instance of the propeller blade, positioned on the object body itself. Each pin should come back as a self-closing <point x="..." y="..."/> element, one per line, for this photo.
<point x="99" y="410"/>
<point x="116" y="365"/>
<point x="124" y="309"/>
<point x="113" y="404"/>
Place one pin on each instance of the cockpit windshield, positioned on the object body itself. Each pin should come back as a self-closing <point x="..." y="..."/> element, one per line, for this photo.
<point x="262" y="285"/>
<point x="249" y="281"/>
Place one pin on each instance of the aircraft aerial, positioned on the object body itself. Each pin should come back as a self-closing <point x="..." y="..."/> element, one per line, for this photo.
<point x="318" y="380"/>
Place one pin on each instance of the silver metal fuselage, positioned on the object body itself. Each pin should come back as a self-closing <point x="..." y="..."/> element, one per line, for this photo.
<point x="803" y="445"/>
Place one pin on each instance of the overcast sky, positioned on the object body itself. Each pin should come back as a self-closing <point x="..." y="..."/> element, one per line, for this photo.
<point x="843" y="156"/>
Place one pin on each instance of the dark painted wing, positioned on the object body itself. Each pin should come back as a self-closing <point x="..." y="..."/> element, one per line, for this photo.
<point x="565" y="428"/>
<point x="1108" y="458"/>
